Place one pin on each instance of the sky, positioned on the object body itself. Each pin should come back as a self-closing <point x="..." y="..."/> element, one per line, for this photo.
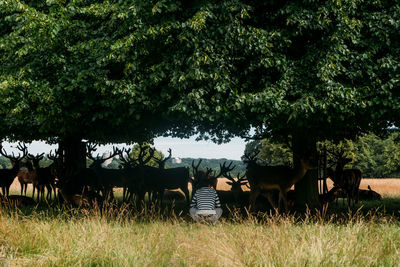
<point x="181" y="148"/>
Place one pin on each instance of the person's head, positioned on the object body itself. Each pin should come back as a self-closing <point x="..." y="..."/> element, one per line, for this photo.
<point x="203" y="183"/>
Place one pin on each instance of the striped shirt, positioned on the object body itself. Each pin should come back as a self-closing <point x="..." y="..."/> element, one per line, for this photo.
<point x="205" y="198"/>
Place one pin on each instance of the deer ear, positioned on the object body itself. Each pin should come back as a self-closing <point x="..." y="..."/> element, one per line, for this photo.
<point x="229" y="183"/>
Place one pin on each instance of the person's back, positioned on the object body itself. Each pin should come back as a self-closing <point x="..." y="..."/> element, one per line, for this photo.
<point x="205" y="205"/>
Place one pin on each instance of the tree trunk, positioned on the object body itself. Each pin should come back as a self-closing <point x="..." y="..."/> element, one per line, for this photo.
<point x="306" y="190"/>
<point x="73" y="156"/>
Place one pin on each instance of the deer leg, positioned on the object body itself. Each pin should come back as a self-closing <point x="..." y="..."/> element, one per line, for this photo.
<point x="271" y="201"/>
<point x="123" y="193"/>
<point x="282" y="196"/>
<point x="252" y="199"/>
<point x="186" y="192"/>
<point x="22" y="188"/>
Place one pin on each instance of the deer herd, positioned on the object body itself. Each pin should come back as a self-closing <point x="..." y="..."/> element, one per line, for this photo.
<point x="136" y="178"/>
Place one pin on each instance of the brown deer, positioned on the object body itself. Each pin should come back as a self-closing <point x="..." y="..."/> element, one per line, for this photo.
<point x="265" y="178"/>
<point x="347" y="179"/>
<point x="26" y="177"/>
<point x="44" y="178"/>
<point x="7" y="176"/>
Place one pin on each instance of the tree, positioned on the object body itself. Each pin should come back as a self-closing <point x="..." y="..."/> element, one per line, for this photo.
<point x="305" y="71"/>
<point x="295" y="71"/>
<point x="82" y="70"/>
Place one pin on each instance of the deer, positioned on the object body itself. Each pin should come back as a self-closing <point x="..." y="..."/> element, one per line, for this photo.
<point x="209" y="174"/>
<point x="236" y="185"/>
<point x="7" y="176"/>
<point x="44" y="178"/>
<point x="169" y="179"/>
<point x="136" y="173"/>
<point x="17" y="201"/>
<point x="107" y="178"/>
<point x="26" y="177"/>
<point x="265" y="178"/>
<point x="347" y="179"/>
<point x="369" y="194"/>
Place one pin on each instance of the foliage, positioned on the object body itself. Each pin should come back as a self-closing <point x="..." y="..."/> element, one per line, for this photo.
<point x="271" y="153"/>
<point x="5" y="163"/>
<point x="378" y="157"/>
<point x="122" y="71"/>
<point x="375" y="156"/>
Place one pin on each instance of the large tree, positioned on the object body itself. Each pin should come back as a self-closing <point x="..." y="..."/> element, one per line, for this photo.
<point x="110" y="71"/>
<point x="299" y="70"/>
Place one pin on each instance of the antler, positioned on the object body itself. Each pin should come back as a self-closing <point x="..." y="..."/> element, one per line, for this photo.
<point x="90" y="149"/>
<point x="130" y="161"/>
<point x="98" y="158"/>
<point x="251" y="158"/>
<point x="38" y="156"/>
<point x="196" y="168"/>
<point x="161" y="162"/>
<point x="142" y="154"/>
<point x="225" y="169"/>
<point x="20" y="147"/>
<point x="127" y="160"/>
<point x="53" y="157"/>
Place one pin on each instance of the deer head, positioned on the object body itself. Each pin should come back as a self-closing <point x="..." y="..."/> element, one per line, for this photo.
<point x="98" y="160"/>
<point x="15" y="160"/>
<point x="236" y="185"/>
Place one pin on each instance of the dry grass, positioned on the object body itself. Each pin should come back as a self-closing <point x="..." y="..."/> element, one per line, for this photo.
<point x="88" y="238"/>
<point x="119" y="237"/>
<point x="387" y="187"/>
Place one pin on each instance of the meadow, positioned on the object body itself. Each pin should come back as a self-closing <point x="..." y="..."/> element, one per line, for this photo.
<point x="369" y="235"/>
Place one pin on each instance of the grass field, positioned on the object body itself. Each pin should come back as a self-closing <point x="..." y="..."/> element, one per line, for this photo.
<point x="118" y="236"/>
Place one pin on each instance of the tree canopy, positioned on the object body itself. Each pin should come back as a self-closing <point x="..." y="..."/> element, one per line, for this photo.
<point x="111" y="71"/>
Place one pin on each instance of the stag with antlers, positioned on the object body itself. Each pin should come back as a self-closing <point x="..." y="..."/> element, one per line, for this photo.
<point x="7" y="175"/>
<point x="347" y="179"/>
<point x="136" y="172"/>
<point x="209" y="174"/>
<point x="236" y="185"/>
<point x="107" y="178"/>
<point x="44" y="178"/>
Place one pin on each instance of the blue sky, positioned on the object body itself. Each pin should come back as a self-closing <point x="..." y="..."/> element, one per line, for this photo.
<point x="181" y="148"/>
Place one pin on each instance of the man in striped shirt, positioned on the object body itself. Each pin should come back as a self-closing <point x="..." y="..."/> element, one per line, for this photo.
<point x="205" y="204"/>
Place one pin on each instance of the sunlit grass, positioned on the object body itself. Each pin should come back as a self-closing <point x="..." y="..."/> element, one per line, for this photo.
<point x="123" y="236"/>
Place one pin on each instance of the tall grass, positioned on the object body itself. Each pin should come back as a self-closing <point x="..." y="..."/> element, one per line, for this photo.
<point x="121" y="236"/>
